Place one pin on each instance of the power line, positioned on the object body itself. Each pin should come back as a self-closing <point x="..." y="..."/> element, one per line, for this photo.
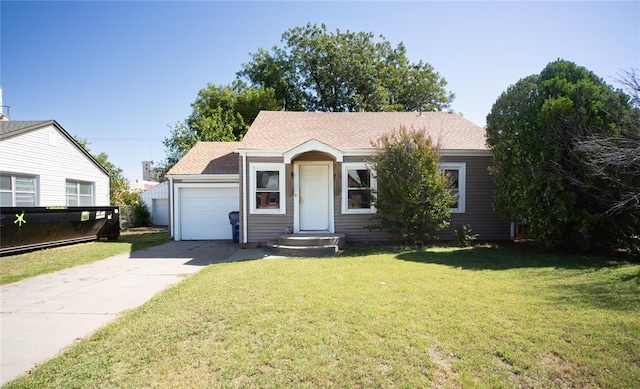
<point x="128" y="139"/>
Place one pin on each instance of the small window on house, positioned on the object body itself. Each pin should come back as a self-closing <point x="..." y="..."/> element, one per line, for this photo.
<point x="17" y="191"/>
<point x="358" y="185"/>
<point x="79" y="193"/>
<point x="454" y="185"/>
<point x="457" y="178"/>
<point x="267" y="188"/>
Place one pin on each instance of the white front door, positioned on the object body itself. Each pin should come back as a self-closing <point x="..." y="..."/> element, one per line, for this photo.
<point x="314" y="197"/>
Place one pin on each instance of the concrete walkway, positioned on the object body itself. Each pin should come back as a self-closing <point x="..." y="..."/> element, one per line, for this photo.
<point x="42" y="315"/>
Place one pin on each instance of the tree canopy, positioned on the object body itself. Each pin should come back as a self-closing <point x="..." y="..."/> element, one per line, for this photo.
<point x="313" y="70"/>
<point x="317" y="70"/>
<point x="533" y="129"/>
<point x="220" y="113"/>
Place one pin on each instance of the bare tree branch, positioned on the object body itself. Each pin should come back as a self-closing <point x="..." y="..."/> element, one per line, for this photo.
<point x="630" y="80"/>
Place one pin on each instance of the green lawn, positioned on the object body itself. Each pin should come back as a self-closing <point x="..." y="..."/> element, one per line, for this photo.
<point x="20" y="266"/>
<point x="445" y="318"/>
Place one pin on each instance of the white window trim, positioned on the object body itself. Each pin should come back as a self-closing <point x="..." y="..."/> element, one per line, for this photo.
<point x="345" y="196"/>
<point x="36" y="187"/>
<point x="78" y="195"/>
<point x="461" y="167"/>
<point x="255" y="167"/>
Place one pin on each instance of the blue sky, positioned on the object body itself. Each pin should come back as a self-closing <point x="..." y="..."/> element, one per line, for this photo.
<point x="119" y="73"/>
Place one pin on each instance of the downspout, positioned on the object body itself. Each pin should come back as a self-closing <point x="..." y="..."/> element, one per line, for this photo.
<point x="171" y="214"/>
<point x="244" y="199"/>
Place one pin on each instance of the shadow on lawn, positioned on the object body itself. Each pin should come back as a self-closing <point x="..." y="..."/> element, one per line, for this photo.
<point x="493" y="258"/>
<point x="612" y="294"/>
<point x="604" y="283"/>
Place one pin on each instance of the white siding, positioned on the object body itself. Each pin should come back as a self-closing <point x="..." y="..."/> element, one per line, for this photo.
<point x="160" y="212"/>
<point x="52" y="158"/>
<point x="157" y="200"/>
<point x="160" y="191"/>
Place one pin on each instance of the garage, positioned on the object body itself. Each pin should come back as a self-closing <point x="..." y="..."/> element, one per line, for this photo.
<point x="204" y="211"/>
<point x="204" y="186"/>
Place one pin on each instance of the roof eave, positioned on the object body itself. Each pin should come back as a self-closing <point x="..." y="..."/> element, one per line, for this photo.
<point x="206" y="177"/>
<point x="465" y="152"/>
<point x="363" y="152"/>
<point x="38" y="125"/>
<point x="64" y="133"/>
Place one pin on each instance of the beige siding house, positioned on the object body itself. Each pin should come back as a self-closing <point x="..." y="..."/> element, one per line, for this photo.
<point x="309" y="172"/>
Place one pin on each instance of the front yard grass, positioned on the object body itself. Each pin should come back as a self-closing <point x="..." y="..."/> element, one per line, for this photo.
<point x="442" y="317"/>
<point x="20" y="266"/>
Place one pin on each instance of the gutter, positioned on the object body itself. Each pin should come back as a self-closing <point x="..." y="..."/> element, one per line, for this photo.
<point x="244" y="198"/>
<point x="171" y="214"/>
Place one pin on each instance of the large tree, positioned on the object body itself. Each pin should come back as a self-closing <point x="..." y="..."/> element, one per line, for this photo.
<point x="613" y="165"/>
<point x="316" y="70"/>
<point x="224" y="113"/>
<point x="413" y="198"/>
<point x="533" y="130"/>
<point x="220" y="113"/>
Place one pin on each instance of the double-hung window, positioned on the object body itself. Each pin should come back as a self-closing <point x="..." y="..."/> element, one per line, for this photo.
<point x="79" y="193"/>
<point x="267" y="188"/>
<point x="18" y="191"/>
<point x="358" y="185"/>
<point x="457" y="173"/>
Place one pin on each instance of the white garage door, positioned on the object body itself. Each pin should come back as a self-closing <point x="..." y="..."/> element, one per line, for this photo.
<point x="204" y="212"/>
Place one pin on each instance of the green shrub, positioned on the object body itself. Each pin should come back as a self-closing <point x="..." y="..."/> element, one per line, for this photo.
<point x="412" y="197"/>
<point x="141" y="215"/>
<point x="465" y="235"/>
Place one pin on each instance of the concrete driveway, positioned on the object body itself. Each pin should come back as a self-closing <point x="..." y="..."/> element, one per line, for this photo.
<point x="42" y="315"/>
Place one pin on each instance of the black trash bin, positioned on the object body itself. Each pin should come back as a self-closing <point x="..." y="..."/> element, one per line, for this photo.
<point x="234" y="220"/>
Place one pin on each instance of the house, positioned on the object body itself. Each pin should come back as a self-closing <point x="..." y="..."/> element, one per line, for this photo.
<point x="203" y="190"/>
<point x="156" y="199"/>
<point x="310" y="172"/>
<point x="320" y="162"/>
<point x="41" y="165"/>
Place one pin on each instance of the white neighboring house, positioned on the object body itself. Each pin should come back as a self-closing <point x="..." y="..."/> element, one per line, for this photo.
<point x="157" y="201"/>
<point x="41" y="165"/>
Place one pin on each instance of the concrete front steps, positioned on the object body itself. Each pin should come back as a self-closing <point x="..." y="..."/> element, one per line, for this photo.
<point x="308" y="245"/>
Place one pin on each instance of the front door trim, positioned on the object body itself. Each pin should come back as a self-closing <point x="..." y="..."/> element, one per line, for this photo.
<point x="296" y="195"/>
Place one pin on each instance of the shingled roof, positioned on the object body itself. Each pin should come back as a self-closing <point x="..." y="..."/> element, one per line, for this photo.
<point x="280" y="130"/>
<point x="11" y="128"/>
<point x="208" y="158"/>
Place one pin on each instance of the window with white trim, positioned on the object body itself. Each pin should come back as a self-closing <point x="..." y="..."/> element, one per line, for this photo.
<point x="268" y="188"/>
<point x="18" y="191"/>
<point x="358" y="186"/>
<point x="79" y="193"/>
<point x="457" y="172"/>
